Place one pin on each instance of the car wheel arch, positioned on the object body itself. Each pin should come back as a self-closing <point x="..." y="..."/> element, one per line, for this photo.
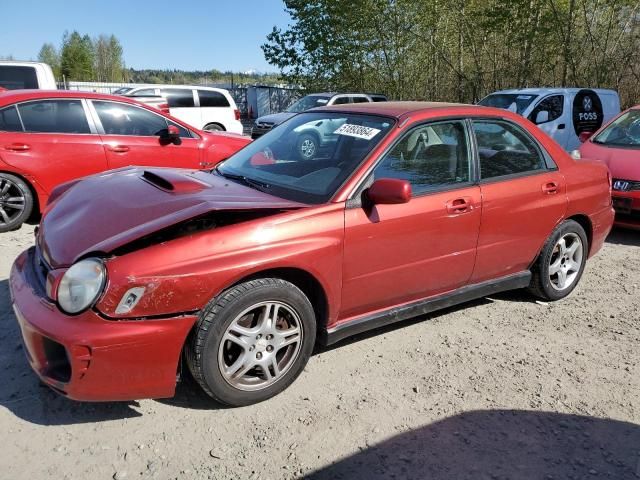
<point x="37" y="206"/>
<point x="585" y="222"/>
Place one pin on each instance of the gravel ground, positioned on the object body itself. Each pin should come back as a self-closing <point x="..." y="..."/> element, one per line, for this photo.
<point x="504" y="387"/>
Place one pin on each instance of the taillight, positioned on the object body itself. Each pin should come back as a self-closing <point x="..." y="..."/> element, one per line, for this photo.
<point x="164" y="108"/>
<point x="237" y="112"/>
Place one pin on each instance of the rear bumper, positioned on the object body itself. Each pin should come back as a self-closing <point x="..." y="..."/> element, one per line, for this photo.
<point x="627" y="205"/>
<point x="86" y="357"/>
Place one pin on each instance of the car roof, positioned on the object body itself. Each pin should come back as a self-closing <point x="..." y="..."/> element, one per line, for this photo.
<point x="400" y="109"/>
<point x="198" y="87"/>
<point x="547" y="90"/>
<point x="14" y="96"/>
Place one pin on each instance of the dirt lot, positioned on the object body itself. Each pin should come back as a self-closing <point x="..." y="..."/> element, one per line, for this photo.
<point x="502" y="388"/>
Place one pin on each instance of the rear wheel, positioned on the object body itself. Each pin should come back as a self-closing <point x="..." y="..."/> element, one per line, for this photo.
<point x="561" y="262"/>
<point x="16" y="202"/>
<point x="252" y="341"/>
<point x="213" y="127"/>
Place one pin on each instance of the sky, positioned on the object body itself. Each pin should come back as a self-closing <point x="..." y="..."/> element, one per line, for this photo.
<point x="162" y="34"/>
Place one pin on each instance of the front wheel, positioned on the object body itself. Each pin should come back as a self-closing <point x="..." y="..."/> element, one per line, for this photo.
<point x="561" y="263"/>
<point x="16" y="202"/>
<point x="252" y="341"/>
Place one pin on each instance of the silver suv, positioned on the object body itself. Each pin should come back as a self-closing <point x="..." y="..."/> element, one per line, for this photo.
<point x="267" y="122"/>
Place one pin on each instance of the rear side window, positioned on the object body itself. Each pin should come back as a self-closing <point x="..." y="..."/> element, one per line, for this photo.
<point x="554" y="105"/>
<point x="14" y="77"/>
<point x="504" y="150"/>
<point x="360" y="99"/>
<point x="209" y="98"/>
<point x="9" y="121"/>
<point x="121" y="119"/>
<point x="54" y="116"/>
<point x="429" y="157"/>
<point x="178" y="97"/>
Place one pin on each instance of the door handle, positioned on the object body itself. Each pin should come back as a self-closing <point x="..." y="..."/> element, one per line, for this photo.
<point x="17" y="147"/>
<point x="561" y="126"/>
<point x="550" y="188"/>
<point x="118" y="148"/>
<point x="459" y="205"/>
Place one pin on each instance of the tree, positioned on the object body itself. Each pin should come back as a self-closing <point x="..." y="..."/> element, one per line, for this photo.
<point x="108" y="65"/>
<point x="49" y="55"/>
<point x="77" y="57"/>
<point x="458" y="49"/>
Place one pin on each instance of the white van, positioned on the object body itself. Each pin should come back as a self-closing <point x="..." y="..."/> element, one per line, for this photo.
<point x="205" y="108"/>
<point x="26" y="75"/>
<point x="568" y="115"/>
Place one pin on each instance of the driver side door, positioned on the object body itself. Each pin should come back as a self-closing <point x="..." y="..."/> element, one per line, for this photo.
<point x="131" y="137"/>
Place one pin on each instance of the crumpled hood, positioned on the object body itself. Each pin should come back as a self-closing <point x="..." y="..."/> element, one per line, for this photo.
<point x="275" y="118"/>
<point x="107" y="211"/>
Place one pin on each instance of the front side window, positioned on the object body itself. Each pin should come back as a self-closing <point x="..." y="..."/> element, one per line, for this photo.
<point x="341" y="101"/>
<point x="54" y="116"/>
<point x="121" y="119"/>
<point x="9" y="121"/>
<point x="429" y="157"/>
<point x="307" y="158"/>
<point x="178" y="97"/>
<point x="308" y="102"/>
<point x="504" y="149"/>
<point x="624" y="131"/>
<point x="209" y="98"/>
<point x="553" y="105"/>
<point x="515" y="102"/>
<point x="145" y="92"/>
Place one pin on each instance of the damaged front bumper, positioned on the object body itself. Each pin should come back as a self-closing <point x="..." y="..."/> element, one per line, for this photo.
<point x="87" y="357"/>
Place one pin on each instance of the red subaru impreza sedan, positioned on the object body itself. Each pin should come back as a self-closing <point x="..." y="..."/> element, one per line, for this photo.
<point x="618" y="145"/>
<point x="51" y="137"/>
<point x="403" y="208"/>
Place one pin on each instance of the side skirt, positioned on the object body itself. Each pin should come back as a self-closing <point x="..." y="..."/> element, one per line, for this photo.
<point x="421" y="307"/>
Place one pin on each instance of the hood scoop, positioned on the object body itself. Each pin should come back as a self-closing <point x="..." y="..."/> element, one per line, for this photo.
<point x="172" y="181"/>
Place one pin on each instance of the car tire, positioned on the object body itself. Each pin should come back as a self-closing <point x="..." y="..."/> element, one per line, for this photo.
<point x="16" y="202"/>
<point x="307" y="146"/>
<point x="261" y="359"/>
<point x="561" y="262"/>
<point x="213" y="127"/>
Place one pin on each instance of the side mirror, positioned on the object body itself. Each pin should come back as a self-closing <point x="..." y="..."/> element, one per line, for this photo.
<point x="584" y="136"/>
<point x="389" y="191"/>
<point x="542" y="117"/>
<point x="170" y="135"/>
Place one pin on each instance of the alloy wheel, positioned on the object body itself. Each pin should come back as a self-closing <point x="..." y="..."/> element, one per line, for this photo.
<point x="308" y="148"/>
<point x="260" y="345"/>
<point x="566" y="261"/>
<point x="12" y="202"/>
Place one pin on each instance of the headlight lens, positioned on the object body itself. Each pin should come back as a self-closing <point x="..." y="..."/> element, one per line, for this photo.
<point x="81" y="285"/>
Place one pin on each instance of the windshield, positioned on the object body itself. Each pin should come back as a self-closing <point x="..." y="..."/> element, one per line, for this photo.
<point x="307" y="158"/>
<point x="514" y="102"/>
<point x="310" y="101"/>
<point x="623" y="131"/>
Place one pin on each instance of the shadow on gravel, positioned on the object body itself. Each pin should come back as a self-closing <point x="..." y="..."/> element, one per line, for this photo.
<point x="621" y="236"/>
<point x="501" y="444"/>
<point x="27" y="398"/>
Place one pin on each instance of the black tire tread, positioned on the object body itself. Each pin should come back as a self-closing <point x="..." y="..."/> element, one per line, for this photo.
<point x="195" y="343"/>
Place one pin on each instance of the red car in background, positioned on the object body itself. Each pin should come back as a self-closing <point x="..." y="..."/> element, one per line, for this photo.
<point x="618" y="145"/>
<point x="237" y="272"/>
<point x="51" y="137"/>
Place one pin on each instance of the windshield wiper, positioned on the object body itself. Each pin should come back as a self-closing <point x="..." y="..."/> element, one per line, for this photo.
<point x="249" y="182"/>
